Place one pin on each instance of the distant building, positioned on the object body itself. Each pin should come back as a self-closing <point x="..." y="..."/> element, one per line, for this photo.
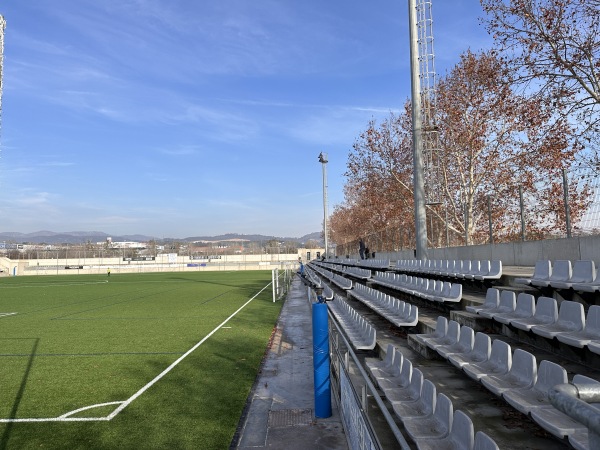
<point x="123" y="244"/>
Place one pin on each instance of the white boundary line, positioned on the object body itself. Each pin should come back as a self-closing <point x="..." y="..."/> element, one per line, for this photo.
<point x="23" y="286"/>
<point x="7" y="314"/>
<point x="123" y="404"/>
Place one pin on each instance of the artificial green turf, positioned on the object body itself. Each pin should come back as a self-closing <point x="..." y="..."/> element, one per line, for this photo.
<point x="83" y="340"/>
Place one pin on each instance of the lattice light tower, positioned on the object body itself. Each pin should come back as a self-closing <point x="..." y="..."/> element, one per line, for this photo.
<point x="427" y="76"/>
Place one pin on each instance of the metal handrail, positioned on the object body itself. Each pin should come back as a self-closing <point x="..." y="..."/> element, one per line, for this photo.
<point x="574" y="400"/>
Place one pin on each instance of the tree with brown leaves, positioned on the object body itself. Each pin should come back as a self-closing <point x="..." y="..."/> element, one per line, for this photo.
<point x="554" y="48"/>
<point x="493" y="141"/>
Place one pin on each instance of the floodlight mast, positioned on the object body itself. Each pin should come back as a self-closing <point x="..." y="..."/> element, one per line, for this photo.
<point x="2" y="27"/>
<point x="426" y="160"/>
<point x="418" y="179"/>
<point x="323" y="161"/>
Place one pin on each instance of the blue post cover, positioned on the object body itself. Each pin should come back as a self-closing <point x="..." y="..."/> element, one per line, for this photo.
<point x="321" y="361"/>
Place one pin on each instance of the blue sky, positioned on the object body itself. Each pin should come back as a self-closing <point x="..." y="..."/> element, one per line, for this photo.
<point x="180" y="118"/>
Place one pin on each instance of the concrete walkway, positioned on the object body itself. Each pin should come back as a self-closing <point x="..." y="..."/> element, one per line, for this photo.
<point x="281" y="409"/>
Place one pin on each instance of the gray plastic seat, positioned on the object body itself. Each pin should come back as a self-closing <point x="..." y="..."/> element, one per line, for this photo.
<point x="484" y="442"/>
<point x="435" y="426"/>
<point x="560" y="424"/>
<point x="528" y="399"/>
<point x="546" y="312"/>
<point x="584" y="272"/>
<point x="444" y="291"/>
<point x="436" y="291"/>
<point x="524" y="309"/>
<point x="484" y="270"/>
<point x="561" y="272"/>
<point x="460" y="268"/>
<point x="464" y="344"/>
<point x="492" y="298"/>
<point x="593" y="286"/>
<point x="474" y="268"/>
<point x="454" y="296"/>
<point x="541" y="271"/>
<point x="522" y="374"/>
<point x="381" y="368"/>
<point x="399" y="380"/>
<point x="441" y="267"/>
<point x="571" y="317"/>
<point x="495" y="272"/>
<point x="481" y="352"/>
<point x="499" y="362"/>
<point x="590" y="332"/>
<point x="507" y="304"/>
<point x="410" y="393"/>
<point x="594" y="347"/>
<point x="464" y="268"/>
<point x="453" y="266"/>
<point x="423" y="407"/>
<point x="461" y="436"/>
<point x="450" y="338"/>
<point x="441" y="328"/>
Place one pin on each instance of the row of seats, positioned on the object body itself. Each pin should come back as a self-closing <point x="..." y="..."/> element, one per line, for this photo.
<point x="515" y="377"/>
<point x="400" y="313"/>
<point x="582" y="276"/>
<point x="360" y="332"/>
<point x="381" y="264"/>
<point x="357" y="272"/>
<point x="478" y="270"/>
<point x="338" y="280"/>
<point x="432" y="290"/>
<point x="314" y="278"/>
<point x="428" y="417"/>
<point x="567" y="323"/>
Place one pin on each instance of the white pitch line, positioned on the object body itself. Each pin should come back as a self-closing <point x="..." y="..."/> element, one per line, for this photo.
<point x="85" y="408"/>
<point x="23" y="286"/>
<point x="123" y="404"/>
<point x="7" y="314"/>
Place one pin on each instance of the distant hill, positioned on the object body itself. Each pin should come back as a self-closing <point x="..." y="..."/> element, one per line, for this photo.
<point x="80" y="237"/>
<point x="254" y="238"/>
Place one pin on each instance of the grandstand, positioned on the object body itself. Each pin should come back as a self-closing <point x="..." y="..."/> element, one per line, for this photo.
<point x="476" y="371"/>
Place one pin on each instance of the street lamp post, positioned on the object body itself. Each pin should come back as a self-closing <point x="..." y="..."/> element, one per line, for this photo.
<point x="323" y="161"/>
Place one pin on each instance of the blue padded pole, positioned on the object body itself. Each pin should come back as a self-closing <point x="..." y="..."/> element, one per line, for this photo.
<point x="321" y="360"/>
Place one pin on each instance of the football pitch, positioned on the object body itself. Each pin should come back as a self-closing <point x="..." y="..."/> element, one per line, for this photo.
<point x="146" y="361"/>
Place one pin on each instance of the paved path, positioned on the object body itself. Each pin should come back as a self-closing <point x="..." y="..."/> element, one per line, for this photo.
<point x="281" y="412"/>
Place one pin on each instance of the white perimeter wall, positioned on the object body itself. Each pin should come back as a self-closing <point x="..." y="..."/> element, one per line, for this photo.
<point x="163" y="263"/>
